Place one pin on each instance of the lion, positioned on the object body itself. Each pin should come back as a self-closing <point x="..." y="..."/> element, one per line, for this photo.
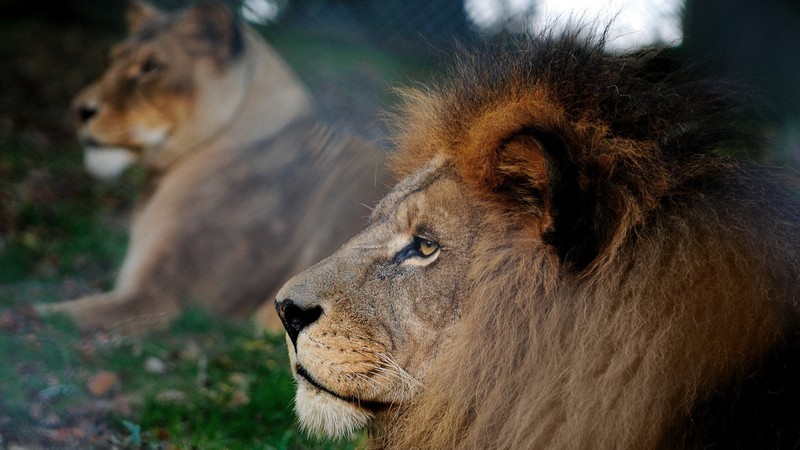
<point x="568" y="261"/>
<point x="246" y="186"/>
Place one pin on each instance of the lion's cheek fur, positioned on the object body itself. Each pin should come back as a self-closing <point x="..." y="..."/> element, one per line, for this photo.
<point x="323" y="414"/>
<point x="348" y="365"/>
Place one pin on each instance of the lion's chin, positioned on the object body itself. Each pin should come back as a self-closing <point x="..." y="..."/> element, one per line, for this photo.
<point x="107" y="162"/>
<point x="323" y="414"/>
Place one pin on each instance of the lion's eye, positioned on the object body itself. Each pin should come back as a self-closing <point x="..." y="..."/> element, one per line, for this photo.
<point x="150" y="65"/>
<point x="420" y="249"/>
<point x="426" y="247"/>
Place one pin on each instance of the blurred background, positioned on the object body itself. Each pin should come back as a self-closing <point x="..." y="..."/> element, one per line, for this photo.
<point x="62" y="234"/>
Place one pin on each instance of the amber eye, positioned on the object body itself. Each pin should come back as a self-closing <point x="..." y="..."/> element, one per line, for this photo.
<point x="426" y="248"/>
<point x="419" y="249"/>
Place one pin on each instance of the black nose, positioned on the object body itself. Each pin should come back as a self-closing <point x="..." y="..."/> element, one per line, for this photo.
<point x="295" y="318"/>
<point x="85" y="112"/>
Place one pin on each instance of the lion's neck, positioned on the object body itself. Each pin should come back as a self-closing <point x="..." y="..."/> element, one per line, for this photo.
<point x="255" y="100"/>
<point x="275" y="97"/>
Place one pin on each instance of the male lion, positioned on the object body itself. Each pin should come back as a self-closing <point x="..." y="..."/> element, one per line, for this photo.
<point x="567" y="264"/>
<point x="246" y="186"/>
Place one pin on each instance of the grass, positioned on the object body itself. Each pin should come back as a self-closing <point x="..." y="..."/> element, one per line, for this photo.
<point x="54" y="220"/>
<point x="202" y="384"/>
<point x="228" y="389"/>
<point x="39" y="374"/>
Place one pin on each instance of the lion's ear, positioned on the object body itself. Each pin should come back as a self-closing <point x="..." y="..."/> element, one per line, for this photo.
<point x="211" y="29"/>
<point x="138" y="13"/>
<point x="539" y="177"/>
<point x="514" y="170"/>
<point x="208" y="26"/>
<point x="524" y="172"/>
<point x="529" y="175"/>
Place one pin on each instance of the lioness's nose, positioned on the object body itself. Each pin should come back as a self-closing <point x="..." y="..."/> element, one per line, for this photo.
<point x="85" y="112"/>
<point x="295" y="318"/>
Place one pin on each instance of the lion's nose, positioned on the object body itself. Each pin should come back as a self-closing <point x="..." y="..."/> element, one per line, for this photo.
<point x="85" y="112"/>
<point x="295" y="318"/>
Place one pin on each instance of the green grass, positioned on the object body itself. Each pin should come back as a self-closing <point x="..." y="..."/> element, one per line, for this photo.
<point x="54" y="219"/>
<point x="238" y="388"/>
<point x="39" y="373"/>
<point x="217" y="386"/>
<point x="57" y="219"/>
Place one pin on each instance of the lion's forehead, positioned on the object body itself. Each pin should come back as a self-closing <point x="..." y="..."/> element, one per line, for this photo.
<point x="418" y="181"/>
<point x="159" y="38"/>
<point x="155" y="28"/>
<point x="159" y="34"/>
<point x="174" y="85"/>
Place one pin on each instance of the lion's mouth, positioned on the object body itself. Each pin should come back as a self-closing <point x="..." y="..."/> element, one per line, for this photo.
<point x="370" y="405"/>
<point x="107" y="162"/>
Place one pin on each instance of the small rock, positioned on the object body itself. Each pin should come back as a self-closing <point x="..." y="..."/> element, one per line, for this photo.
<point x="191" y="351"/>
<point x="101" y="383"/>
<point x="19" y="447"/>
<point x="66" y="434"/>
<point x="154" y="365"/>
<point x="7" y="321"/>
<point x="239" y="380"/>
<point x="171" y="396"/>
<point x="37" y="410"/>
<point x="121" y="404"/>
<point x="239" y="398"/>
<point x="52" y="420"/>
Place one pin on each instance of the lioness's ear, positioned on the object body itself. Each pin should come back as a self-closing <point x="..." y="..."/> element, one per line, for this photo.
<point x="211" y="29"/>
<point x="138" y="13"/>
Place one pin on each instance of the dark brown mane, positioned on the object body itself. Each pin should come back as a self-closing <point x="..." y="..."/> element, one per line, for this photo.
<point x="624" y="124"/>
<point x="644" y="95"/>
<point x="636" y="285"/>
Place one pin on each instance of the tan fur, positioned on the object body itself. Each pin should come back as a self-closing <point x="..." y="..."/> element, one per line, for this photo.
<point x="676" y="278"/>
<point x="246" y="186"/>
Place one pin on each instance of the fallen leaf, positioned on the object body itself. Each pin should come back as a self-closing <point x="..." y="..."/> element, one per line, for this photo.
<point x="101" y="383"/>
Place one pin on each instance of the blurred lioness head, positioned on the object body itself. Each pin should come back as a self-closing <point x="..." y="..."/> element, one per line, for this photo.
<point x="174" y="83"/>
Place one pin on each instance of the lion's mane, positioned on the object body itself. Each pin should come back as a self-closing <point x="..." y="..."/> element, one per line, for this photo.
<point x="657" y="304"/>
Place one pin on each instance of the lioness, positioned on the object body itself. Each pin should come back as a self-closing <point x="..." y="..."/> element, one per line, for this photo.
<point x="568" y="263"/>
<point x="246" y="186"/>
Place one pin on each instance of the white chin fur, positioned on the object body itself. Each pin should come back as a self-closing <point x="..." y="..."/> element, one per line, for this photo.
<point x="107" y="162"/>
<point x="323" y="414"/>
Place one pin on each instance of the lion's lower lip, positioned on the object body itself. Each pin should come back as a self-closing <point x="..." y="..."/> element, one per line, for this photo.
<point x="364" y="404"/>
<point x="303" y="373"/>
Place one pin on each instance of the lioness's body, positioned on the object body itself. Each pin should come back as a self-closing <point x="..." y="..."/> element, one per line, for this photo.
<point x="246" y="185"/>
<point x="568" y="263"/>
